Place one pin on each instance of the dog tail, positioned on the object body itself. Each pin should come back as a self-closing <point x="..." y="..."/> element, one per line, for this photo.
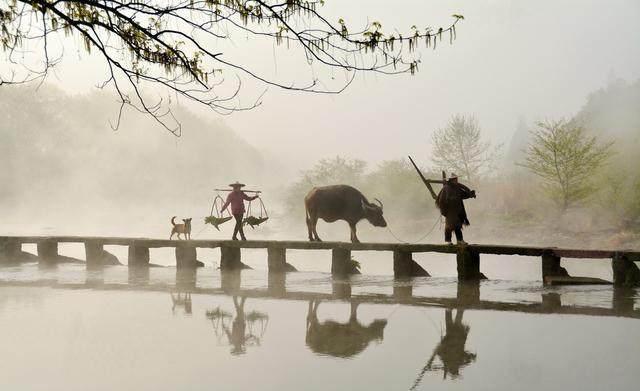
<point x="173" y="222"/>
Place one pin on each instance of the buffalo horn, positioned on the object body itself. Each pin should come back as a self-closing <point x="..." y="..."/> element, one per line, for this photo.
<point x="379" y="202"/>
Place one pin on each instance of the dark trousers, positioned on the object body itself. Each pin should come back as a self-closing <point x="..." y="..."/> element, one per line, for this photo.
<point x="238" y="227"/>
<point x="447" y="234"/>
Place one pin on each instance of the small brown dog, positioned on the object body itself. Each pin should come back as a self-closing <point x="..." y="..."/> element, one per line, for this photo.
<point x="184" y="229"/>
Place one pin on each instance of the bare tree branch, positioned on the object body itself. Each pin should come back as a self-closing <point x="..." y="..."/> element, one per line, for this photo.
<point x="174" y="45"/>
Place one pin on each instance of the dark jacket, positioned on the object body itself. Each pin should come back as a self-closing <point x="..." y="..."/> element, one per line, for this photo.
<point x="450" y="202"/>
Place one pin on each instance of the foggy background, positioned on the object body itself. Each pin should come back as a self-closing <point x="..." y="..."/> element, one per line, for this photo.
<point x="65" y="171"/>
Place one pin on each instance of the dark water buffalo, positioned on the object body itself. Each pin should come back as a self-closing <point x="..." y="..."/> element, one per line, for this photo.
<point x="341" y="339"/>
<point x="340" y="202"/>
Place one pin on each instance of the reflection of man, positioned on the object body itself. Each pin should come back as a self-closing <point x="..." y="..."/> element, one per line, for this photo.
<point x="236" y="335"/>
<point x="239" y="337"/>
<point x="451" y="348"/>
<point x="451" y="205"/>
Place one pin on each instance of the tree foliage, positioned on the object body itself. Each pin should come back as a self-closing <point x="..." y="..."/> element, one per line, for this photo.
<point x="332" y="171"/>
<point x="459" y="148"/>
<point x="179" y="46"/>
<point x="566" y="158"/>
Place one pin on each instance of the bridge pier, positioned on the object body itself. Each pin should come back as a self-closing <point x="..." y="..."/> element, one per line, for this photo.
<point x="186" y="279"/>
<point x="341" y="288"/>
<point x="625" y="271"/>
<point x="405" y="266"/>
<point x="551" y="266"/>
<point x="186" y="257"/>
<point x="404" y="291"/>
<point x="139" y="275"/>
<point x="277" y="283"/>
<point x="230" y="280"/>
<point x="96" y="256"/>
<point x="138" y="255"/>
<point x="468" y="264"/>
<point x="468" y="292"/>
<point x="551" y="301"/>
<point x="47" y="252"/>
<point x="230" y="259"/>
<point x="10" y="250"/>
<point x="277" y="260"/>
<point x="623" y="299"/>
<point x="341" y="264"/>
<point x="93" y="253"/>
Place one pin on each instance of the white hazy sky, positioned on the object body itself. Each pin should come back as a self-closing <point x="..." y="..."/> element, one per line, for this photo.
<point x="538" y="59"/>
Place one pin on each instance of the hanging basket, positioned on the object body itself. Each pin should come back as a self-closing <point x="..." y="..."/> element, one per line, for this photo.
<point x="252" y="220"/>
<point x="216" y="216"/>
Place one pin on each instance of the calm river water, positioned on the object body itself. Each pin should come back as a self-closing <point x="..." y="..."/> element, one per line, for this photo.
<point x="67" y="328"/>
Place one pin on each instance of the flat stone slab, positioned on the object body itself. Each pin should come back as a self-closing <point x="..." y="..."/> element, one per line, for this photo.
<point x="568" y="280"/>
<point x="633" y="255"/>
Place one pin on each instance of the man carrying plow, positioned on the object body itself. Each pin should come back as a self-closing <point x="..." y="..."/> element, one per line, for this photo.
<point x="450" y="201"/>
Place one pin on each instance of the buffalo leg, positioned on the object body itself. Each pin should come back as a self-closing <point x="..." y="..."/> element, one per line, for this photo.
<point x="315" y="232"/>
<point x="312" y="222"/>
<point x="309" y="227"/>
<point x="314" y="225"/>
<point x="354" y="237"/>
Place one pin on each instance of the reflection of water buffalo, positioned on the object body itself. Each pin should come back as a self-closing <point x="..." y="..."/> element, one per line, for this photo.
<point x="340" y="202"/>
<point x="341" y="339"/>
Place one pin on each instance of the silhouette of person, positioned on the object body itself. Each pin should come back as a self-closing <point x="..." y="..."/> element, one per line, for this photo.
<point x="451" y="205"/>
<point x="450" y="350"/>
<point x="236" y="199"/>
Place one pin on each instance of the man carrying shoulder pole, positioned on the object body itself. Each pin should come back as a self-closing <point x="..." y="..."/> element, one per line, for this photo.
<point x="236" y="199"/>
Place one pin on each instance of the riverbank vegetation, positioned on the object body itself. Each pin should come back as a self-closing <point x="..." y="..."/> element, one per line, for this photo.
<point x="590" y="195"/>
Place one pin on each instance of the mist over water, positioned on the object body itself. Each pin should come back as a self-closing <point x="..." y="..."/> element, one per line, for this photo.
<point x="114" y="321"/>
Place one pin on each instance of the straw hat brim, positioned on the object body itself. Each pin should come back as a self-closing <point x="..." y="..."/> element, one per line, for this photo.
<point x="237" y="184"/>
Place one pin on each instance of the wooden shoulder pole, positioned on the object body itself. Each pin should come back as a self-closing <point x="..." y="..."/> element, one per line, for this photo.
<point x="424" y="180"/>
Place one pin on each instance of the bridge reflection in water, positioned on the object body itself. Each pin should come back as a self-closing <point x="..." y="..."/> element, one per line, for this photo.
<point x="241" y="329"/>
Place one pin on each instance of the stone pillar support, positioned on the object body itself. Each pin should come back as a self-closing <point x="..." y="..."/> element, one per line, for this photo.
<point x="138" y="255"/>
<point x="47" y="251"/>
<point x="468" y="262"/>
<point x="405" y="266"/>
<point x="186" y="257"/>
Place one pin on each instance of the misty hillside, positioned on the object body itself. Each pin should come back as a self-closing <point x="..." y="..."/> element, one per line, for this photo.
<point x="614" y="109"/>
<point x="61" y="160"/>
<point x="614" y="113"/>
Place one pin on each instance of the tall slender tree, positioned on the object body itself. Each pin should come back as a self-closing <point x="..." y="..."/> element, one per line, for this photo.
<point x="459" y="148"/>
<point x="566" y="158"/>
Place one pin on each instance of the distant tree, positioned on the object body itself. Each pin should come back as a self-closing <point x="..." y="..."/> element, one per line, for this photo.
<point x="333" y="171"/>
<point x="181" y="46"/>
<point x="459" y="148"/>
<point x="567" y="159"/>
<point x="518" y="142"/>
<point x="397" y="184"/>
